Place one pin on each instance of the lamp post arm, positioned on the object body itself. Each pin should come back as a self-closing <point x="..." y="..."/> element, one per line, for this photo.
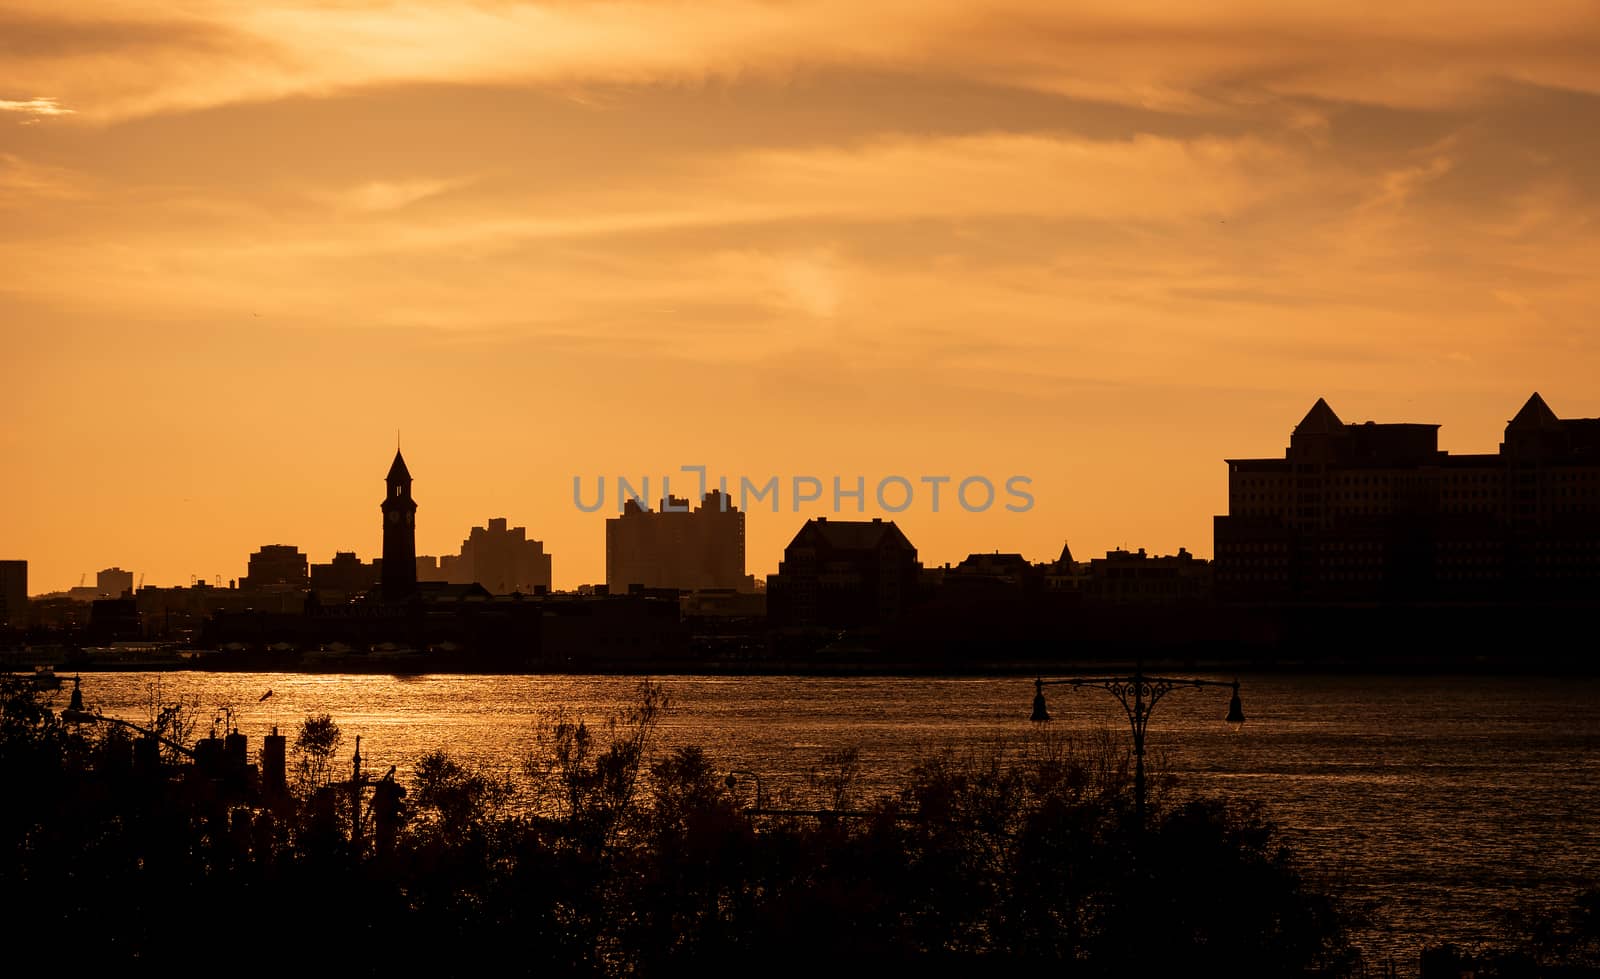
<point x="1193" y="683"/>
<point x="1100" y="681"/>
<point x="1085" y="681"/>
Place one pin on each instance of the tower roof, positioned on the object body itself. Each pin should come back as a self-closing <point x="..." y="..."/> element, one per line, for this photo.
<point x="1320" y="420"/>
<point x="398" y="471"/>
<point x="1534" y="414"/>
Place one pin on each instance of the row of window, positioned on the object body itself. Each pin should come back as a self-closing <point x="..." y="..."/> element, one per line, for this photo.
<point x="1307" y="513"/>
<point x="1448" y="477"/>
<point x="1359" y="547"/>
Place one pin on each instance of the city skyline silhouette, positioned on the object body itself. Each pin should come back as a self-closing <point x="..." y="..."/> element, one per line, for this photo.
<point x="855" y="496"/>
<point x="1098" y="247"/>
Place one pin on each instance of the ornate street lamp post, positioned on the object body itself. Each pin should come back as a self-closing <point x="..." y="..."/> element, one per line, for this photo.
<point x="1138" y="695"/>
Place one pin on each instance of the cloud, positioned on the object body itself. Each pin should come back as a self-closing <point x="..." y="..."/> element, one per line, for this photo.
<point x="35" y="108"/>
<point x="897" y="178"/>
<point x="809" y="281"/>
<point x="1138" y="52"/>
<point x="376" y="196"/>
<point x="1144" y="177"/>
<point x="1396" y="187"/>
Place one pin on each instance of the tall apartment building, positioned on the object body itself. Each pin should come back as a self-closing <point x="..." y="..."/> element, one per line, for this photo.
<point x="676" y="547"/>
<point x="276" y="566"/>
<point x="500" y="558"/>
<point x="113" y="582"/>
<point x="345" y="576"/>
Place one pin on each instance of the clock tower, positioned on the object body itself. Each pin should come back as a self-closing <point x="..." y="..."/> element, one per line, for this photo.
<point x="399" y="535"/>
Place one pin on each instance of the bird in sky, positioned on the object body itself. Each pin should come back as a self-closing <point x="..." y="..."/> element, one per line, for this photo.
<point x="264" y="696"/>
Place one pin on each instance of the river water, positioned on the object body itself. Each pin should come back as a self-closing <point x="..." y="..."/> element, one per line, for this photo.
<point x="1441" y="801"/>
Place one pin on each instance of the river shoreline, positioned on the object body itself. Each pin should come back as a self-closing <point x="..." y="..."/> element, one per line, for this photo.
<point x="1576" y="666"/>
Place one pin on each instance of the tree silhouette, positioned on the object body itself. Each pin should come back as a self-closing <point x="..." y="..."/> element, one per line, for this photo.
<point x="315" y="744"/>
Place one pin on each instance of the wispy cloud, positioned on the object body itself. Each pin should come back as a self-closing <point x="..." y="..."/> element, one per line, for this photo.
<point x="377" y="196"/>
<point x="34" y="109"/>
<point x="1143" y="52"/>
<point x="898" y="178"/>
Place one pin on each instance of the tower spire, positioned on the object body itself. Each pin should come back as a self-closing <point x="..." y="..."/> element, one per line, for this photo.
<point x="399" y="532"/>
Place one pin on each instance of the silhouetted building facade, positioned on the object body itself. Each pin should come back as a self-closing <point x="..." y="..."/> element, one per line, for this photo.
<point x="14" y="594"/>
<point x="502" y="559"/>
<point x="1065" y="574"/>
<point x="179" y="612"/>
<point x="114" y="620"/>
<point x="1136" y="578"/>
<point x="843" y="574"/>
<point x="724" y="603"/>
<point x="399" y="534"/>
<point x="114" y="582"/>
<point x="610" y="629"/>
<point x="276" y="566"/>
<point x="1008" y="569"/>
<point x="675" y="547"/>
<point x="980" y="575"/>
<point x="346" y="575"/>
<point x="54" y="611"/>
<point x="1376" y="512"/>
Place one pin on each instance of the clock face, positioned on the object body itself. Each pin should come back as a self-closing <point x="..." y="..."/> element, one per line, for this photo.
<point x="394" y="516"/>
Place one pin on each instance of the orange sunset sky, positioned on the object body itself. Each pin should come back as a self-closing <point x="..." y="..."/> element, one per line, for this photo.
<point x="1104" y="245"/>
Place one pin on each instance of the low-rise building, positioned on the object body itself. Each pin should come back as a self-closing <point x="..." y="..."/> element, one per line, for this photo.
<point x="844" y="574"/>
<point x="1136" y="578"/>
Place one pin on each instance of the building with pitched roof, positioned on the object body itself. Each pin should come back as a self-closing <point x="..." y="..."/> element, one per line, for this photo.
<point x="844" y="574"/>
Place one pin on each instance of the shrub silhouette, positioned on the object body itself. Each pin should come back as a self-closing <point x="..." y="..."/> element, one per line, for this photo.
<point x="1013" y="856"/>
